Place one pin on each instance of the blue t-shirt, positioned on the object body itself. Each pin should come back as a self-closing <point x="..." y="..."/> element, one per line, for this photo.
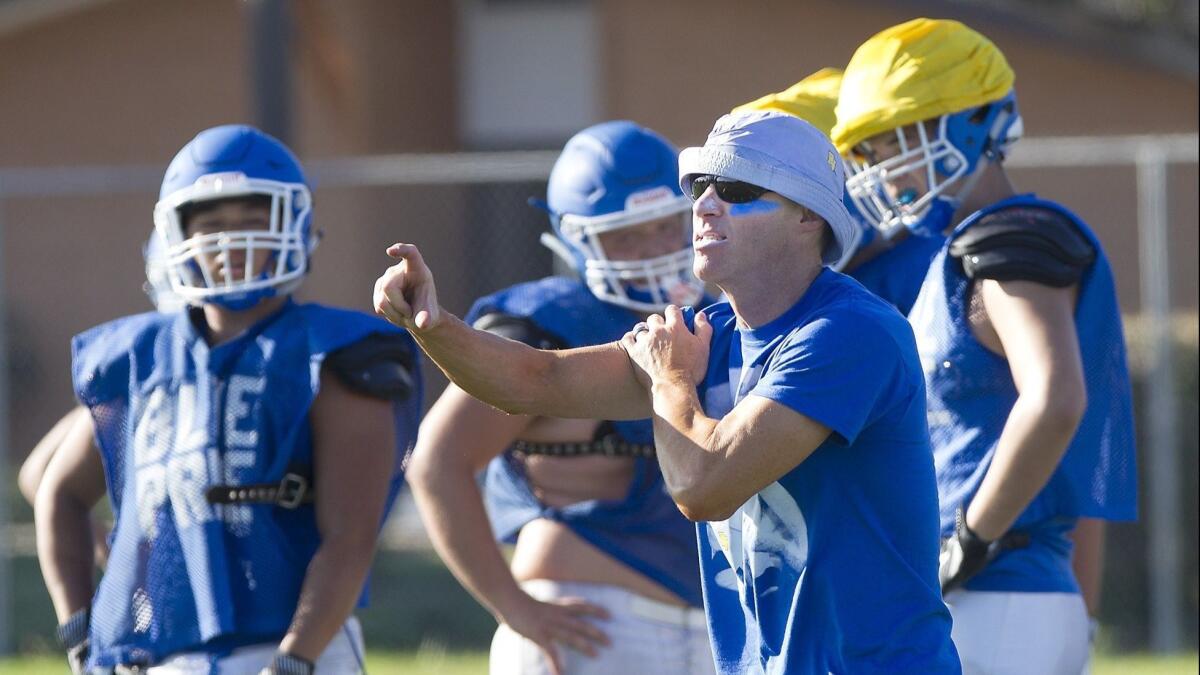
<point x="833" y="567"/>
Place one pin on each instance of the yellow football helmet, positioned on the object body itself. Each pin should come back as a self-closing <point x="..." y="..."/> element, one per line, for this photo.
<point x="812" y="99"/>
<point x="901" y="81"/>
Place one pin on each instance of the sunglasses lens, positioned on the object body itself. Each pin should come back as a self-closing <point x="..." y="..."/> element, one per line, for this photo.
<point x="730" y="191"/>
<point x="737" y="192"/>
<point x="699" y="186"/>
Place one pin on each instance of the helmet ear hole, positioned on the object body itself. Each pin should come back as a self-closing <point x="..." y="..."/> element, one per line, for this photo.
<point x="981" y="113"/>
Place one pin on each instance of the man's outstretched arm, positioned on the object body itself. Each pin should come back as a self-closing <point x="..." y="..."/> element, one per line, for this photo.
<point x="590" y="382"/>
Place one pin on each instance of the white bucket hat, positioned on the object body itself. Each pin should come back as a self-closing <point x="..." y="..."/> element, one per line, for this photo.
<point x="785" y="155"/>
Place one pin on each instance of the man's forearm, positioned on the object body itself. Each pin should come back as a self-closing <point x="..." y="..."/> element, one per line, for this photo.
<point x="589" y="382"/>
<point x="1029" y="450"/>
<point x="65" y="551"/>
<point x="504" y="373"/>
<point x="453" y="512"/>
<point x="683" y="439"/>
<point x="331" y="588"/>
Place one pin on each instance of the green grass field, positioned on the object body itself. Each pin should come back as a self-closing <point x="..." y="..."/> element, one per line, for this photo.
<point x="469" y="663"/>
<point x="378" y="663"/>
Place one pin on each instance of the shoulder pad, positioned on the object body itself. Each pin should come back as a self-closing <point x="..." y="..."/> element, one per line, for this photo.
<point x="101" y="357"/>
<point x="1024" y="244"/>
<point x="519" y="328"/>
<point x="379" y="365"/>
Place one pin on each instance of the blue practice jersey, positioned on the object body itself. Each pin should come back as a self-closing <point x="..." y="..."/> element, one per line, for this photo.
<point x="174" y="417"/>
<point x="896" y="273"/>
<point x="971" y="393"/>
<point x="644" y="530"/>
<point x="833" y="567"/>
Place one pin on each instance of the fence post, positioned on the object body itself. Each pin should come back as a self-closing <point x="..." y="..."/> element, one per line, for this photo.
<point x="5" y="458"/>
<point x="1162" y="474"/>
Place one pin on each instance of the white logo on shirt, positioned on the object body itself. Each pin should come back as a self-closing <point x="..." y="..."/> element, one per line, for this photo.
<point x="767" y="532"/>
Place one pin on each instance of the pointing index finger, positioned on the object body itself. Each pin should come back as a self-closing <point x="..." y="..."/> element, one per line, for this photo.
<point x="402" y="251"/>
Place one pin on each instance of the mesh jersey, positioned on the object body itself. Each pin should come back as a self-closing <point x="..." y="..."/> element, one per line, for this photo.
<point x="970" y="394"/>
<point x="175" y="416"/>
<point x="896" y="274"/>
<point x="645" y="530"/>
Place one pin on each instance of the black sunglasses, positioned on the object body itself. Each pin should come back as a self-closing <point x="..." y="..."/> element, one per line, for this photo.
<point x="730" y="191"/>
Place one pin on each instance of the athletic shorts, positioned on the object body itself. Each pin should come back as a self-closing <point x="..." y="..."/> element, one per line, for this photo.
<point x="343" y="655"/>
<point x="998" y="633"/>
<point x="646" y="636"/>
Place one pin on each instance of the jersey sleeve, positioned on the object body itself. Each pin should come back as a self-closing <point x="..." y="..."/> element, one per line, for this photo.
<point x="840" y="371"/>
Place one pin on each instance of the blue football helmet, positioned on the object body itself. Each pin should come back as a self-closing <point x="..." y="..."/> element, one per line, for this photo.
<point x="964" y="140"/>
<point x="229" y="162"/>
<point x="612" y="176"/>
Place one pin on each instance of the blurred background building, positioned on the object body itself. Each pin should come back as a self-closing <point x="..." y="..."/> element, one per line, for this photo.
<point x="97" y="95"/>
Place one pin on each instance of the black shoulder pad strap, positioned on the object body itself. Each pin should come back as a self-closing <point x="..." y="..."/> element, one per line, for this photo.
<point x="519" y="328"/>
<point x="379" y="365"/>
<point x="1025" y="243"/>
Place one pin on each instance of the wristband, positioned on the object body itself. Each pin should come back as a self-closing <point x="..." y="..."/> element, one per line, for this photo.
<point x="74" y="631"/>
<point x="289" y="664"/>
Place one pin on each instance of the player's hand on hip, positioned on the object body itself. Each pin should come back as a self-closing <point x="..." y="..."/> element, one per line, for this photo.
<point x="405" y="294"/>
<point x="663" y="348"/>
<point x="77" y="658"/>
<point x="963" y="555"/>
<point x="560" y="621"/>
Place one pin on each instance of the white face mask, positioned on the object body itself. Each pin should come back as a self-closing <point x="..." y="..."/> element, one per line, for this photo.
<point x="644" y="285"/>
<point x="935" y="161"/>
<point x="949" y="171"/>
<point x="287" y="238"/>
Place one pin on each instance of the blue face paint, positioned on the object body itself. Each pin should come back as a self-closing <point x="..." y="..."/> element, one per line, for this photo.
<point x="751" y="208"/>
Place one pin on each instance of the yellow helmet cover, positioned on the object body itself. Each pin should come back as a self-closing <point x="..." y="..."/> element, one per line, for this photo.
<point x="812" y="99"/>
<point x="915" y="71"/>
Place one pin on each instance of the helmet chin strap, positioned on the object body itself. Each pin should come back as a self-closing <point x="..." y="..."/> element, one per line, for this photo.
<point x="241" y="301"/>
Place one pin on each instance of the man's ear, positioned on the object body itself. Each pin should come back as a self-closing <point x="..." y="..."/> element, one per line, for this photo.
<point x="811" y="222"/>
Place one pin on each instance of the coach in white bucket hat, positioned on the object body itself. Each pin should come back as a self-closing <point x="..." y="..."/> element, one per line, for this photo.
<point x="785" y="155"/>
<point x="789" y="421"/>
